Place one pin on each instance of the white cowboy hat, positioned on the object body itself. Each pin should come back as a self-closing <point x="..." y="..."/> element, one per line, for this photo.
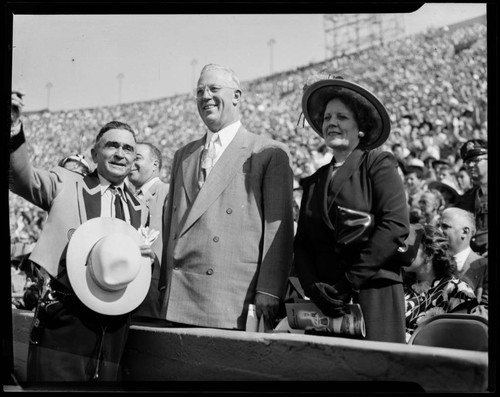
<point x="105" y="266"/>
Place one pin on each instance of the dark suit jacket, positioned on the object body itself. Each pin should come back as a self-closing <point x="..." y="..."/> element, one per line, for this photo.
<point x="368" y="181"/>
<point x="232" y="237"/>
<point x="70" y="199"/>
<point x="155" y="198"/>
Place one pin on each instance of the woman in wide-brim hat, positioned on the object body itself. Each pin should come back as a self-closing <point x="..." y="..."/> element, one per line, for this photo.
<point x="353" y="215"/>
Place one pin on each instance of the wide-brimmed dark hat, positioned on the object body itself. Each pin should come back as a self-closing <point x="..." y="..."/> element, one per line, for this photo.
<point x="376" y="125"/>
<point x="445" y="189"/>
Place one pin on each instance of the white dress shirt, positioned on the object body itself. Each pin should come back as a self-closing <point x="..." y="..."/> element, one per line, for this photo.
<point x="144" y="188"/>
<point x="461" y="257"/>
<point x="108" y="199"/>
<point x="226" y="135"/>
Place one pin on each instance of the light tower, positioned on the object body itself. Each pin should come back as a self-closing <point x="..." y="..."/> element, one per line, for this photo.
<point x="271" y="44"/>
<point x="48" y="86"/>
<point x="120" y="77"/>
<point x="194" y="62"/>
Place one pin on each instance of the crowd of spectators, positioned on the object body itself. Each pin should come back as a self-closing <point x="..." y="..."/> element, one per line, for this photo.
<point x="434" y="85"/>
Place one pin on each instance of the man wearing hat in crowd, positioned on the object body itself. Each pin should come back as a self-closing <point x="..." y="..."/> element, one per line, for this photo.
<point x="474" y="154"/>
<point x="76" y="163"/>
<point x="96" y="265"/>
<point x="149" y="188"/>
<point x="415" y="185"/>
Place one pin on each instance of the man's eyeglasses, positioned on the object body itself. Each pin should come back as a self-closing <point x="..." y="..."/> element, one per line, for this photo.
<point x="474" y="161"/>
<point x="212" y="89"/>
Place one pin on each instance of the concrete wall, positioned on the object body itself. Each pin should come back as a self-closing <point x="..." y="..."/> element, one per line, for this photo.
<point x="189" y="354"/>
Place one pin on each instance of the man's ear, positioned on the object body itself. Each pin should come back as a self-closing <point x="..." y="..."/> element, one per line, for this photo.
<point x="236" y="97"/>
<point x="467" y="230"/>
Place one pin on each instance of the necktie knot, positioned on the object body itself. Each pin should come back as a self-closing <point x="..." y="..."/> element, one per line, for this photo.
<point x="119" y="212"/>
<point x="208" y="156"/>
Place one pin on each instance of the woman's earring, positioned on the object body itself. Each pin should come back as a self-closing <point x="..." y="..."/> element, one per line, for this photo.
<point x="361" y="134"/>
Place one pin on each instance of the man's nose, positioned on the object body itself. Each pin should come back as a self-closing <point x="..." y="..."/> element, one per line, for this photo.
<point x="119" y="152"/>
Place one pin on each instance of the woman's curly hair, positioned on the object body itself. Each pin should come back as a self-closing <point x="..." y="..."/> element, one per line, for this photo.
<point x="435" y="245"/>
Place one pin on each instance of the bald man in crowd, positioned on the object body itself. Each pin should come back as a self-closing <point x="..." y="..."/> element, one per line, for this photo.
<point x="459" y="226"/>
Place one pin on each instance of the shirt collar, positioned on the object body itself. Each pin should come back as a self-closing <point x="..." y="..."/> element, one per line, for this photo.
<point x="144" y="188"/>
<point x="461" y="257"/>
<point x="226" y="134"/>
<point x="105" y="184"/>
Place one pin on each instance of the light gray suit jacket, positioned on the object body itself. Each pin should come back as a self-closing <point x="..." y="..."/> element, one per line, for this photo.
<point x="231" y="238"/>
<point x="475" y="273"/>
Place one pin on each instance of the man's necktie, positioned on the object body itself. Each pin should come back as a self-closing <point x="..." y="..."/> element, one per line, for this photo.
<point x="208" y="156"/>
<point x="119" y="213"/>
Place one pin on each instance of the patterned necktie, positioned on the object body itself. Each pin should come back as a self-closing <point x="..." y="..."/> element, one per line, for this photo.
<point x="208" y="156"/>
<point x="119" y="213"/>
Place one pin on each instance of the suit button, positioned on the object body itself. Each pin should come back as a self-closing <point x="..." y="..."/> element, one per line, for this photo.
<point x="216" y="239"/>
<point x="175" y="208"/>
<point x="210" y="272"/>
<point x="229" y="211"/>
<point x="176" y="267"/>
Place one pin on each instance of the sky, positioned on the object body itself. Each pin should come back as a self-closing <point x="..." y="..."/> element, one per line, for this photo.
<point x="75" y="61"/>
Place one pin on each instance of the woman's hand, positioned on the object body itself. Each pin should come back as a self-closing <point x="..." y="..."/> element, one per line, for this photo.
<point x="329" y="300"/>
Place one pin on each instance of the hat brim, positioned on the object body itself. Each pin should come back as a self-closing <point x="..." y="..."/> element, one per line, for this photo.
<point x="94" y="297"/>
<point x="440" y="186"/>
<point x="318" y="94"/>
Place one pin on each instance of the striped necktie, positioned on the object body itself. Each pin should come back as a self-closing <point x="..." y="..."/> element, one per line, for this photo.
<point x="208" y="156"/>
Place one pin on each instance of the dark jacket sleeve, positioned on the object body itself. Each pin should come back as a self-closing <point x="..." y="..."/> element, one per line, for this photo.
<point x="390" y="216"/>
<point x="304" y="251"/>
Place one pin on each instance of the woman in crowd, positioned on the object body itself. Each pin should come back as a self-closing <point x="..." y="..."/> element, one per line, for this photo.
<point x="353" y="215"/>
<point x="436" y="288"/>
<point x="431" y="205"/>
<point x="464" y="181"/>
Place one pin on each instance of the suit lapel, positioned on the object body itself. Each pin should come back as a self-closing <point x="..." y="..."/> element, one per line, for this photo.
<point x="470" y="258"/>
<point x="91" y="194"/>
<point x="134" y="207"/>
<point x="344" y="173"/>
<point x="221" y="175"/>
<point x="323" y="182"/>
<point x="190" y="165"/>
<point x="148" y="195"/>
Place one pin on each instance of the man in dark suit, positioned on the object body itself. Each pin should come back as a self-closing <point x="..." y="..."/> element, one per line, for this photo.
<point x="474" y="154"/>
<point x="459" y="227"/>
<point x="229" y="219"/>
<point x="70" y="342"/>
<point x="149" y="188"/>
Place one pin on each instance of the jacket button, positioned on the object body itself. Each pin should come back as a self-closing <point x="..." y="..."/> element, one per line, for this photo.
<point x="210" y="272"/>
<point x="229" y="211"/>
<point x="176" y="267"/>
<point x="216" y="239"/>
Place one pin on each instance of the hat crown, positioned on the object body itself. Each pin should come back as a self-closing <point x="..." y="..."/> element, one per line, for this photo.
<point x="114" y="261"/>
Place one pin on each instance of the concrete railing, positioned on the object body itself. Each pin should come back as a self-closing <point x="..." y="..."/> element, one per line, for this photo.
<point x="199" y="354"/>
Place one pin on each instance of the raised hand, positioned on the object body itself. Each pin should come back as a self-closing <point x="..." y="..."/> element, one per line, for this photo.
<point x="16" y="107"/>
